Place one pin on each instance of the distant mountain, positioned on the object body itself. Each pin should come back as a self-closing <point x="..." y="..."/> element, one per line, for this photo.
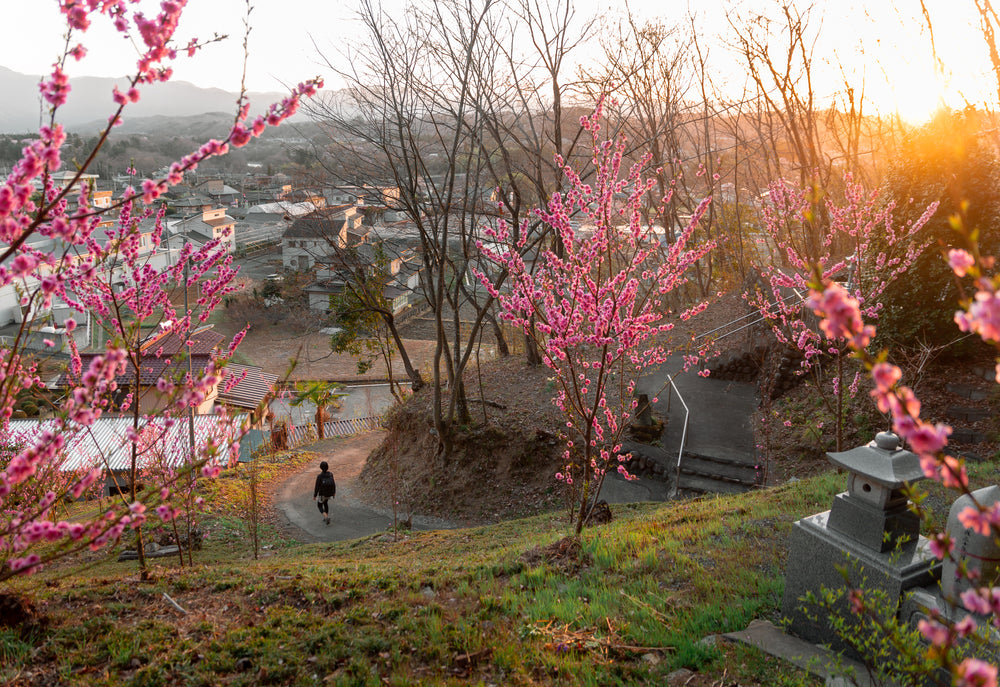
<point x="90" y="104"/>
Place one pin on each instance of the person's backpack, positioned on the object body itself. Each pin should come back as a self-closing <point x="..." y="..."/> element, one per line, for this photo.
<point x="327" y="487"/>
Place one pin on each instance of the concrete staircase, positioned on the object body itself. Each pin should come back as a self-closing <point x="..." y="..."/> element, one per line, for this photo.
<point x="701" y="474"/>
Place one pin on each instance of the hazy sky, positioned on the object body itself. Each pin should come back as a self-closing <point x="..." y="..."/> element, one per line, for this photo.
<point x="889" y="45"/>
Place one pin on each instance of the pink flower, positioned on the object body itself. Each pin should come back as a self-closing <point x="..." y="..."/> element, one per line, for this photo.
<point x="973" y="672"/>
<point x="978" y="521"/>
<point x="76" y="16"/>
<point x="974" y="601"/>
<point x="965" y="627"/>
<point x="983" y="316"/>
<point x="941" y="545"/>
<point x="925" y="439"/>
<point x="885" y="375"/>
<point x="960" y="261"/>
<point x="24" y="565"/>
<point x="856" y="601"/>
<point x="240" y="135"/>
<point x="56" y="89"/>
<point x="936" y="633"/>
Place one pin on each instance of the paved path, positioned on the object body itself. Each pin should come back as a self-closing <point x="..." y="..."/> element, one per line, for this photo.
<point x="349" y="518"/>
<point x="720" y="426"/>
<point x="721" y="413"/>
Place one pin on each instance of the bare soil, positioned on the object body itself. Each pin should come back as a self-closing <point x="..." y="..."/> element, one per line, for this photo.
<point x="282" y="333"/>
<point x="503" y="466"/>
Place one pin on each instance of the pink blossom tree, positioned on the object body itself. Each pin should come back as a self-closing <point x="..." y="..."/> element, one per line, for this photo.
<point x="597" y="310"/>
<point x="862" y="247"/>
<point x="843" y="321"/>
<point x="60" y="247"/>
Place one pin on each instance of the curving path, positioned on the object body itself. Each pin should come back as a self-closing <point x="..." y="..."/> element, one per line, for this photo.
<point x="349" y="517"/>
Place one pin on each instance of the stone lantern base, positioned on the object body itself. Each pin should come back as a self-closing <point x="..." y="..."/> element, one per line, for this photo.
<point x="815" y="552"/>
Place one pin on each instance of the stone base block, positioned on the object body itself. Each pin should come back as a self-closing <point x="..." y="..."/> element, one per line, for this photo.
<point x="867" y="525"/>
<point x="814" y="554"/>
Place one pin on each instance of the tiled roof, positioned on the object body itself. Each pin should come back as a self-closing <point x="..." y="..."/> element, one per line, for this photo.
<point x="204" y="342"/>
<point x="151" y="369"/>
<point x="253" y="386"/>
<point x="325" y="223"/>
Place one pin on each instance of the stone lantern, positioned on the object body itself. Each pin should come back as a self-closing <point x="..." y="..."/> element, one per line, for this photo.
<point x="874" y="510"/>
<point x="868" y="533"/>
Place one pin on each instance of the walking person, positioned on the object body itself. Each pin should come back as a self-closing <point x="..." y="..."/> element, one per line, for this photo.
<point x="325" y="489"/>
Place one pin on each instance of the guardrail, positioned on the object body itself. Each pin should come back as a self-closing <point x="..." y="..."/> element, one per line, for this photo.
<point x="300" y="434"/>
<point x="760" y="318"/>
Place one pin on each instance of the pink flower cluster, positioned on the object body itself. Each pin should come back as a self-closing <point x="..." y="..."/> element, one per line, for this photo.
<point x="862" y="226"/>
<point x="595" y="319"/>
<point x="120" y="299"/>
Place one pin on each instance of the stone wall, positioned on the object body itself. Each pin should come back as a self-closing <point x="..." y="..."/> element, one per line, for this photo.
<point x="773" y="367"/>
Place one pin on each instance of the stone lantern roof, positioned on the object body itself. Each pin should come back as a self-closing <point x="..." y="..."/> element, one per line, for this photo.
<point x="881" y="461"/>
<point x="874" y="511"/>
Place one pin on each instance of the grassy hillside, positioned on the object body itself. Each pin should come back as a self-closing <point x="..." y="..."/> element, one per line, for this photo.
<point x="517" y="603"/>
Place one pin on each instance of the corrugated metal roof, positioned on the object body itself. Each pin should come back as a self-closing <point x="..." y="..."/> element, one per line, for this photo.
<point x="104" y="444"/>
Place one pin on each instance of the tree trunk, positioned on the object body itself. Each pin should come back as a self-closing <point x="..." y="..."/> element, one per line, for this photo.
<point x="416" y="381"/>
<point x="531" y="353"/>
<point x="502" y="350"/>
<point x="320" y="417"/>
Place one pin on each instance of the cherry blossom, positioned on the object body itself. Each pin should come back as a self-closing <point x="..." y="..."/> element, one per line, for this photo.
<point x="597" y="309"/>
<point x="31" y="481"/>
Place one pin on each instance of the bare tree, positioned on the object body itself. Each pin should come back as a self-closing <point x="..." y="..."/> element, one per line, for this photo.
<point x="442" y="108"/>
<point x="777" y="50"/>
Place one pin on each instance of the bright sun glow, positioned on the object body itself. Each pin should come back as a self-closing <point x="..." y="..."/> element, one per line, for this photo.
<point x="917" y="98"/>
<point x="882" y="48"/>
<point x="902" y="74"/>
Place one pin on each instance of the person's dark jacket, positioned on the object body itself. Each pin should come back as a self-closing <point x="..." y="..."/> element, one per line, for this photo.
<point x="331" y="489"/>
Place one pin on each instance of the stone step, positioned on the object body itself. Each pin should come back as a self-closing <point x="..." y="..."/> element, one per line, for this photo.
<point x="987" y="373"/>
<point x="706" y="485"/>
<point x="720" y="469"/>
<point x="968" y="391"/>
<point x="968" y="414"/>
<point x="968" y="436"/>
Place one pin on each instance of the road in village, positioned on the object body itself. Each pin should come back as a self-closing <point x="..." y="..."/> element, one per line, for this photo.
<point x="349" y="518"/>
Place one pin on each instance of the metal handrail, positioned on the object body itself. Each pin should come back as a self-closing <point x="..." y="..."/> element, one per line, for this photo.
<point x="770" y="306"/>
<point x="680" y="453"/>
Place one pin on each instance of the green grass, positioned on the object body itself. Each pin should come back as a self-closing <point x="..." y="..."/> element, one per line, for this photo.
<point x="628" y="605"/>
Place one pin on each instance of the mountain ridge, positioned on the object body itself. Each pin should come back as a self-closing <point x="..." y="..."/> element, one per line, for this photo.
<point x="90" y="103"/>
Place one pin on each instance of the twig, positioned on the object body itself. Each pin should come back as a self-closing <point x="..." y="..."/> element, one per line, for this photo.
<point x="636" y="649"/>
<point x="174" y="603"/>
<point x="647" y="606"/>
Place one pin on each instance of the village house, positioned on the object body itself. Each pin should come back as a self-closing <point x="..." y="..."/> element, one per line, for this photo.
<point x="207" y="225"/>
<point x="316" y="237"/>
<point x="400" y="274"/>
<point x="45" y="324"/>
<point x="243" y="387"/>
<point x="218" y="191"/>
